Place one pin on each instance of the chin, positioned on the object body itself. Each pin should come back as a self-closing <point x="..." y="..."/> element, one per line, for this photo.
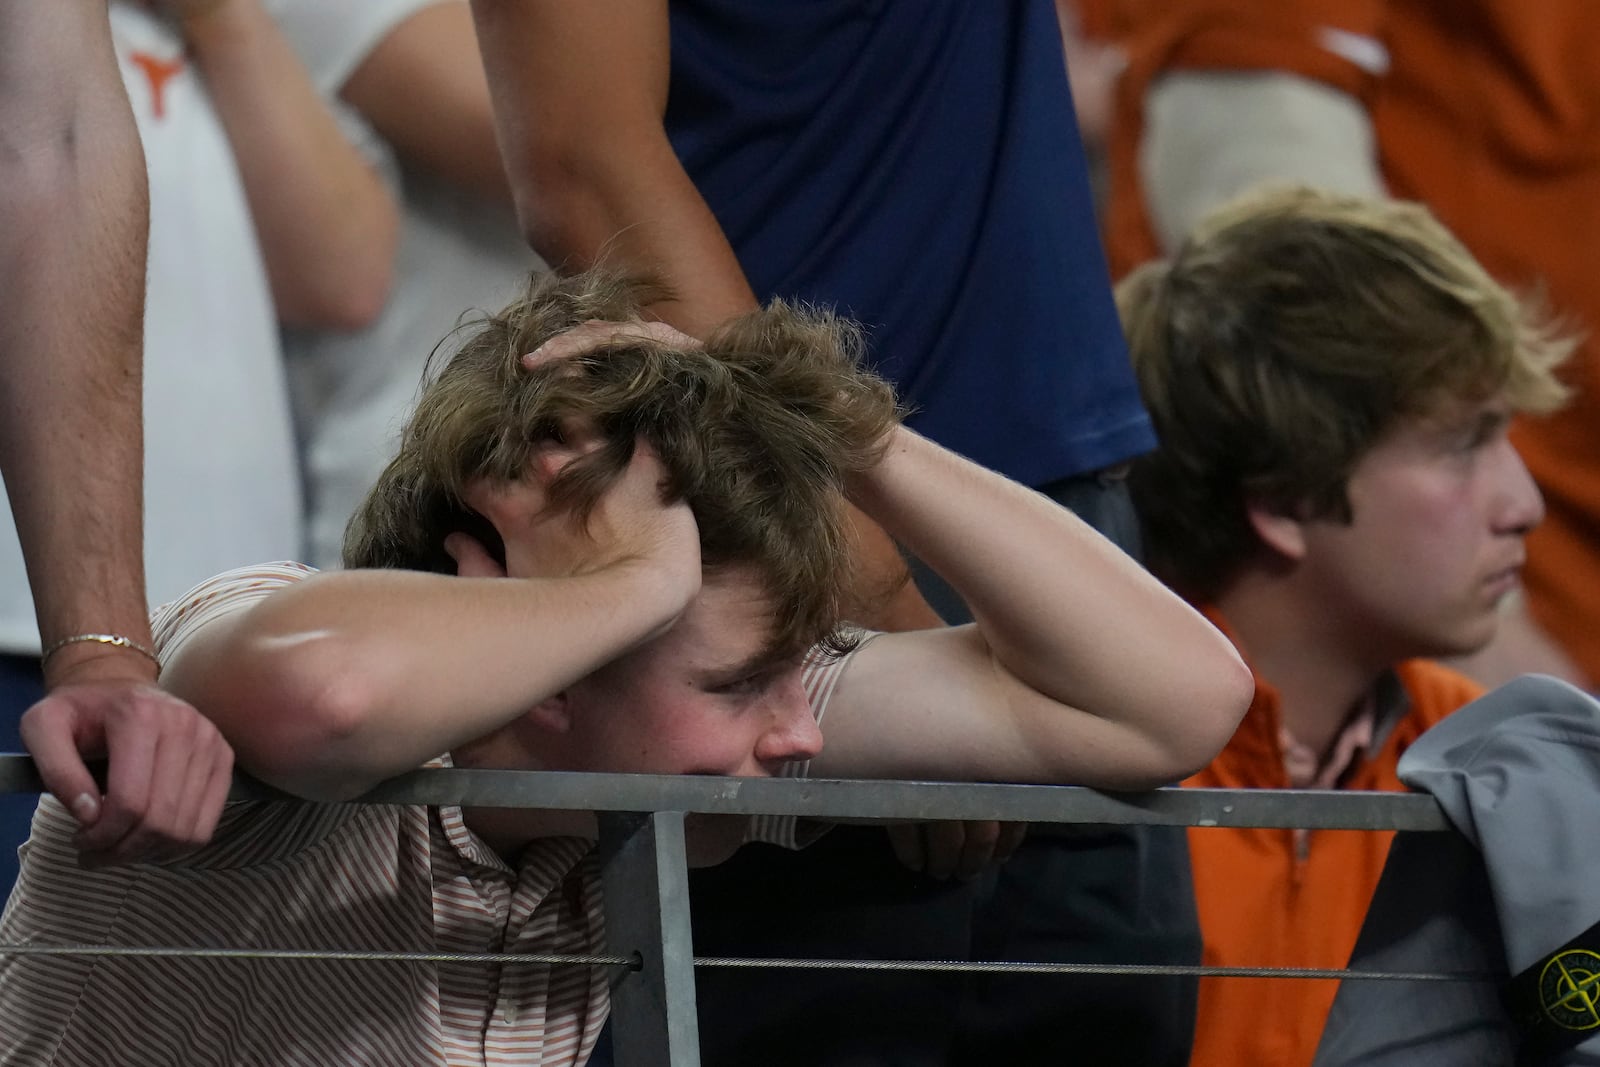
<point x="713" y="839"/>
<point x="1462" y="644"/>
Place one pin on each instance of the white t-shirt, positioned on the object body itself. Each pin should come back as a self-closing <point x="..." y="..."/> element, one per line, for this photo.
<point x="458" y="253"/>
<point x="221" y="481"/>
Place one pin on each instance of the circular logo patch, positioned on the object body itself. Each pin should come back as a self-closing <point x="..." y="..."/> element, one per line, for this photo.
<point x="1569" y="990"/>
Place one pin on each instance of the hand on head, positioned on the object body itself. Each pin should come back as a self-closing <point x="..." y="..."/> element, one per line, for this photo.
<point x="168" y="768"/>
<point x="631" y="524"/>
<point x="588" y="336"/>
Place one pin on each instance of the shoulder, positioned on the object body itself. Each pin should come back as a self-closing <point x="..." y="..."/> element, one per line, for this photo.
<point x="175" y="622"/>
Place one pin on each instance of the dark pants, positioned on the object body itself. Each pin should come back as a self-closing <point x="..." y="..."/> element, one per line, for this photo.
<point x="1073" y="894"/>
<point x="21" y="686"/>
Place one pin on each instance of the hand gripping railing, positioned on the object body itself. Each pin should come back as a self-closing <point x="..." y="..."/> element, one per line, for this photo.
<point x="644" y="870"/>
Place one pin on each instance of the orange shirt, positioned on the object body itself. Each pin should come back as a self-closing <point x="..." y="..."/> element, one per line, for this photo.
<point x="1286" y="898"/>
<point x="1489" y="111"/>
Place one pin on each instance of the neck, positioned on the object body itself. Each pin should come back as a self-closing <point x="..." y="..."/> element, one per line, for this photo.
<point x="509" y="830"/>
<point x="1320" y="672"/>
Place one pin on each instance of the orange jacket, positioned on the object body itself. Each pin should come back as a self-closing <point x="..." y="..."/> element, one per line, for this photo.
<point x="1489" y="111"/>
<point x="1267" y="899"/>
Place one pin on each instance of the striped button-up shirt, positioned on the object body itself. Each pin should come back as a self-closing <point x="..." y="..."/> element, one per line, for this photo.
<point x="291" y="875"/>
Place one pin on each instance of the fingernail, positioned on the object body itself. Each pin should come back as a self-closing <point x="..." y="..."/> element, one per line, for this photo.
<point x="85" y="807"/>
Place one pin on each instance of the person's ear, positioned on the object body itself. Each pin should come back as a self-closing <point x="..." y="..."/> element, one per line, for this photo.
<point x="552" y="713"/>
<point x="1283" y="533"/>
<point x="547" y="461"/>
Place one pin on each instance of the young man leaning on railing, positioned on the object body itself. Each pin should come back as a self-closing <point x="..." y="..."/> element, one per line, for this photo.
<point x="623" y="552"/>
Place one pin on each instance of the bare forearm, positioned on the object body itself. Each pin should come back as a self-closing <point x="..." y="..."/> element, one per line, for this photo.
<point x="660" y="228"/>
<point x="1061" y="608"/>
<point x="326" y="224"/>
<point x="345" y="679"/>
<point x="559" y="72"/>
<point x="73" y="222"/>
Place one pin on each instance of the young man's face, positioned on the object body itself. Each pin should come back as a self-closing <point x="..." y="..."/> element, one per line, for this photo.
<point x="1440" y="509"/>
<point x="698" y="699"/>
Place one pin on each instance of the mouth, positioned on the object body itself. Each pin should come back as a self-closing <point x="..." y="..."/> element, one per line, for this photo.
<point x="1499" y="583"/>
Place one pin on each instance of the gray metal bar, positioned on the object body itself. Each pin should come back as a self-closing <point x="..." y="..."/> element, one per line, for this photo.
<point x="633" y="962"/>
<point x="1135" y="969"/>
<point x="645" y="878"/>
<point x="820" y="799"/>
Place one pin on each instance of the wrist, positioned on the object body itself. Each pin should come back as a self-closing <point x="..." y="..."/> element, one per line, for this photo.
<point x="92" y="663"/>
<point x="865" y="489"/>
<point x="661" y="590"/>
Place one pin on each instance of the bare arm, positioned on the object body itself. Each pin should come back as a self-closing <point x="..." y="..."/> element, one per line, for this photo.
<point x="580" y="91"/>
<point x="73" y="215"/>
<point x="558" y="73"/>
<point x="73" y="222"/>
<point x="422" y="88"/>
<point x="327" y="226"/>
<point x="1080" y="668"/>
<point x="331" y="685"/>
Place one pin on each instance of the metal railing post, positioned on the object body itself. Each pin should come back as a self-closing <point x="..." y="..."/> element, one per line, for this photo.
<point x="645" y="883"/>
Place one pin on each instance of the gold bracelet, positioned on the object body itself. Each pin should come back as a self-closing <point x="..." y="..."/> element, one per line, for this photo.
<point x="116" y="640"/>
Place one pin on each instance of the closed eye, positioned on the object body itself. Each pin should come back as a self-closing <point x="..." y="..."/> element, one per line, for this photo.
<point x="748" y="685"/>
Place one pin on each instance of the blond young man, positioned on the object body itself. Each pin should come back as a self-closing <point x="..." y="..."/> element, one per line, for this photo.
<point x="628" y="559"/>
<point x="1332" y="379"/>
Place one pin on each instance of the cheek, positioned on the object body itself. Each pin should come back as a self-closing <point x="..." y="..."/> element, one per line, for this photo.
<point x="1424" y="522"/>
<point x="688" y="733"/>
<point x="709" y="741"/>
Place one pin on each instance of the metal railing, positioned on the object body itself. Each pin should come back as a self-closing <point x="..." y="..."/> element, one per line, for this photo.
<point x="645" y="875"/>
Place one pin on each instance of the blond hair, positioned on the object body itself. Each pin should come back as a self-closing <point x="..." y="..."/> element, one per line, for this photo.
<point x="758" y="432"/>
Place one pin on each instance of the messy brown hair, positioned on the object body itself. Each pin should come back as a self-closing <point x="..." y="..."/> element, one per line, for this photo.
<point x="1291" y="332"/>
<point x="758" y="432"/>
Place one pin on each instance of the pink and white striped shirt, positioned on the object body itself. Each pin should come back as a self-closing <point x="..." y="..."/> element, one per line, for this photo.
<point x="308" y="876"/>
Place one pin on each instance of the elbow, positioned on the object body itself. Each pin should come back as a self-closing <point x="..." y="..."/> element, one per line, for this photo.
<point x="336" y="278"/>
<point x="1190" y="721"/>
<point x="544" y="214"/>
<point x="1214" y="701"/>
<point x="362" y="298"/>
<point x="314" y="728"/>
<point x="556" y="186"/>
<point x="345" y="299"/>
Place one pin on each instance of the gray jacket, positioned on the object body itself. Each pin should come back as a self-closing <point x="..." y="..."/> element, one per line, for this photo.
<point x="1518" y="774"/>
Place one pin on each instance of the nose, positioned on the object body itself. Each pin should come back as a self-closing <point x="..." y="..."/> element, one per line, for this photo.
<point x="1519" y="506"/>
<point x="792" y="734"/>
